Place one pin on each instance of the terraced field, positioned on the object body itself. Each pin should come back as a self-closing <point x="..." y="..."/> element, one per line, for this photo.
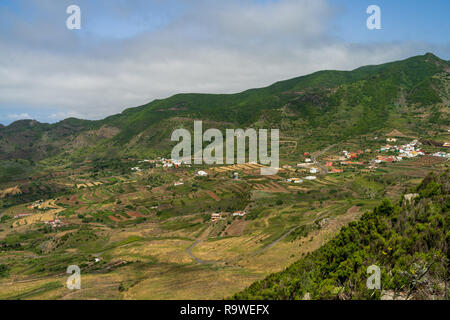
<point x="141" y="237"/>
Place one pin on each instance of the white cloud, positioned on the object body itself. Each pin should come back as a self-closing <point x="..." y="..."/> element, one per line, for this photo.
<point x="66" y="114"/>
<point x="19" y="116"/>
<point x="274" y="19"/>
<point x="212" y="48"/>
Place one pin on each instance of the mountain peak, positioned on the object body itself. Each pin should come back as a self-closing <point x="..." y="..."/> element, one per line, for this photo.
<point x="27" y="123"/>
<point x="431" y="55"/>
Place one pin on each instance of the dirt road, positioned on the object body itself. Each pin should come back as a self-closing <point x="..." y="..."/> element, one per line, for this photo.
<point x="314" y="158"/>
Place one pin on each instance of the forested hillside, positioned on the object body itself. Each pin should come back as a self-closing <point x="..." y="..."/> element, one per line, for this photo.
<point x="317" y="110"/>
<point x="408" y="240"/>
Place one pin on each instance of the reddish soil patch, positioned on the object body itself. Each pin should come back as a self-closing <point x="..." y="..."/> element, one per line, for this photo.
<point x="353" y="210"/>
<point x="135" y="214"/>
<point x="428" y="161"/>
<point x="213" y="195"/>
<point x="271" y="187"/>
<point x="277" y="187"/>
<point x="258" y="186"/>
<point x="124" y="216"/>
<point x="115" y="219"/>
<point x="275" y="177"/>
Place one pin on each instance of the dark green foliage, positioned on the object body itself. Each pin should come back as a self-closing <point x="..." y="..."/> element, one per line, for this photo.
<point x="3" y="270"/>
<point x="10" y="170"/>
<point x="408" y="241"/>
<point x="424" y="94"/>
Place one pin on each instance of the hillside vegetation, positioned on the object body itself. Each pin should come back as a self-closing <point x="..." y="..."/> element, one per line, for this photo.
<point x="103" y="195"/>
<point x="408" y="240"/>
<point x="316" y="110"/>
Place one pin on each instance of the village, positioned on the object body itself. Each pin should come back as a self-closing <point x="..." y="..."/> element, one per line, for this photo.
<point x="310" y="169"/>
<point x="183" y="183"/>
<point x="220" y="215"/>
<point x="333" y="164"/>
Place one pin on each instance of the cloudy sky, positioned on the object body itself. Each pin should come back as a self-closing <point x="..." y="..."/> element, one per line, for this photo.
<point x="129" y="52"/>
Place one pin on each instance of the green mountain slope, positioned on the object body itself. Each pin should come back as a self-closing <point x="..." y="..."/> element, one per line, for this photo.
<point x="316" y="110"/>
<point x="409" y="241"/>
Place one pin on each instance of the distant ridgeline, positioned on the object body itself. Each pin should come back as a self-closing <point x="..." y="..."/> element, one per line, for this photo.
<point x="317" y="110"/>
<point x="409" y="241"/>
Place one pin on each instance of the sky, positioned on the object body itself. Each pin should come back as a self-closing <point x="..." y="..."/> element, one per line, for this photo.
<point x="130" y="52"/>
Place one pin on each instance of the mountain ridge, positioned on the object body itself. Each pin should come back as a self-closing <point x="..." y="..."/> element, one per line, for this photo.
<point x="345" y="103"/>
<point x="277" y="83"/>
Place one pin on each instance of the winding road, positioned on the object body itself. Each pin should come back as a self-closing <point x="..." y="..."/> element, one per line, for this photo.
<point x="314" y="158"/>
<point x="276" y="241"/>
<point x="198" y="260"/>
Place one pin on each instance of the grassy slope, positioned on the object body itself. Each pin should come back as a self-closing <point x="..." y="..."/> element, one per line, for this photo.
<point x="409" y="242"/>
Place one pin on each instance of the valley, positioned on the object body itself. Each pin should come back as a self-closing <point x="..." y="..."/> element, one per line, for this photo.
<point x="146" y="229"/>
<point x="104" y="195"/>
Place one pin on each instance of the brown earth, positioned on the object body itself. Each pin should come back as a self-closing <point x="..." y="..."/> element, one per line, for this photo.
<point x="10" y="192"/>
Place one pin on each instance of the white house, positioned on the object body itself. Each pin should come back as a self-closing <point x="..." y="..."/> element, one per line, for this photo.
<point x="202" y="173"/>
<point x="313" y="170"/>
<point x="216" y="216"/>
<point x="311" y="178"/>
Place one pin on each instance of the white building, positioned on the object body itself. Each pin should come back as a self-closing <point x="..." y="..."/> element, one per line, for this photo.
<point x="202" y="173"/>
<point x="239" y="213"/>
<point x="216" y="216"/>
